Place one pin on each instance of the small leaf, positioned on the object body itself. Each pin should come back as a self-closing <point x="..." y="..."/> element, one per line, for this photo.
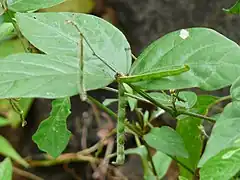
<point x="142" y="152"/>
<point x="235" y="9"/>
<point x="6" y="169"/>
<point x="107" y="102"/>
<point x="189" y="97"/>
<point x="213" y="60"/>
<point x="29" y="5"/>
<point x="6" y="29"/>
<point x="7" y="150"/>
<point x="222" y="166"/>
<point x="4" y="122"/>
<point x="161" y="162"/>
<point x="52" y="135"/>
<point x="166" y="140"/>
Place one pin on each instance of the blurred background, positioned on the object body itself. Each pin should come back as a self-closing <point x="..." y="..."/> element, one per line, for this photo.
<point x="142" y="21"/>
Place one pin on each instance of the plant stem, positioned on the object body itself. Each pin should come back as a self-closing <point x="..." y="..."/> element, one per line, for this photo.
<point x="197" y="116"/>
<point x="128" y="94"/>
<point x="183" y="165"/>
<point x="149" y="98"/>
<point x="101" y="106"/>
<point x="151" y="160"/>
<point x="154" y="75"/>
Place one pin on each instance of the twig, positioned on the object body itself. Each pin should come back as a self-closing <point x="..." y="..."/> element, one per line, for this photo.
<point x="26" y="174"/>
<point x="62" y="159"/>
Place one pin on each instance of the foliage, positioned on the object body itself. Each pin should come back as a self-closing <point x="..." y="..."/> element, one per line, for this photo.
<point x="86" y="52"/>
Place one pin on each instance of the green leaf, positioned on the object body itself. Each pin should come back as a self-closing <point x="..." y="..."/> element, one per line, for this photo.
<point x="161" y="162"/>
<point x="188" y="128"/>
<point x="222" y="166"/>
<point x="189" y="97"/>
<point x="166" y="140"/>
<point x="213" y="60"/>
<point x="182" y="178"/>
<point x="142" y="152"/>
<point x="48" y="76"/>
<point x="29" y="5"/>
<point x="4" y="122"/>
<point x="235" y="9"/>
<point x="56" y="33"/>
<point x="10" y="46"/>
<point x="7" y="150"/>
<point x="6" y="169"/>
<point x="131" y="101"/>
<point x="225" y="133"/>
<point x="52" y="135"/>
<point x="235" y="90"/>
<point x="6" y="29"/>
<point x="83" y="6"/>
<point x="107" y="102"/>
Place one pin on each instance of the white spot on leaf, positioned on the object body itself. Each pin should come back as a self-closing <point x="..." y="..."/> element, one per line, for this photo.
<point x="230" y="154"/>
<point x="184" y="34"/>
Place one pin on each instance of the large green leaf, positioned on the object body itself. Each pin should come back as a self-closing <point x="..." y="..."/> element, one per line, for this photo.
<point x="29" y="5"/>
<point x="7" y="150"/>
<point x="222" y="166"/>
<point x="52" y="135"/>
<point x="235" y="9"/>
<point x="188" y="128"/>
<point x="48" y="76"/>
<point x="166" y="140"/>
<point x="56" y="33"/>
<point x="225" y="133"/>
<point x="6" y="169"/>
<point x="213" y="60"/>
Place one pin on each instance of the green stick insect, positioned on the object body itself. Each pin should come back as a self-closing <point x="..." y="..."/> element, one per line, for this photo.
<point x="122" y="99"/>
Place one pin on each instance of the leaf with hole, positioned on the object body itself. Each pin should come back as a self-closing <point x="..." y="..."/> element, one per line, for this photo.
<point x="6" y="149"/>
<point x="213" y="60"/>
<point x="166" y="140"/>
<point x="52" y="135"/>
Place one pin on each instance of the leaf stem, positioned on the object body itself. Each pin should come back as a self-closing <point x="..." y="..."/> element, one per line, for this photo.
<point x="197" y="116"/>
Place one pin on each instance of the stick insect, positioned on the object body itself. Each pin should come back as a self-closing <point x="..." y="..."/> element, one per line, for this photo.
<point x="120" y="78"/>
